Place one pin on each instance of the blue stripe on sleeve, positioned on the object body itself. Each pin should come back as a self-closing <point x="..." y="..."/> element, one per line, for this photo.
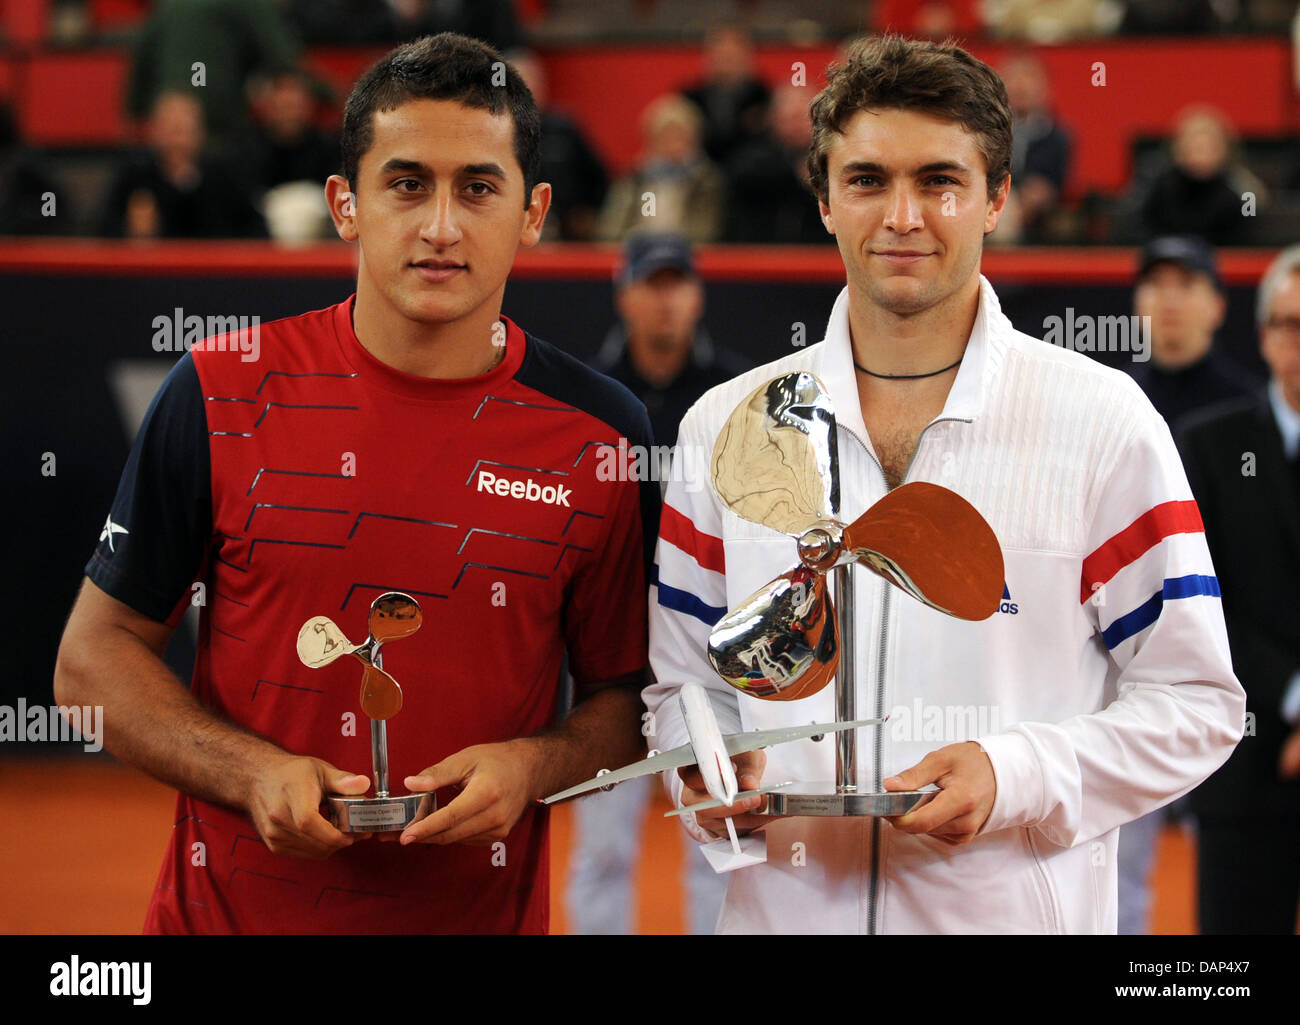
<point x="1149" y="611"/>
<point x="683" y="601"/>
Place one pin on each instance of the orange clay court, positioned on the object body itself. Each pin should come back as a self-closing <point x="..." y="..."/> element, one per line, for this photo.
<point x="90" y="841"/>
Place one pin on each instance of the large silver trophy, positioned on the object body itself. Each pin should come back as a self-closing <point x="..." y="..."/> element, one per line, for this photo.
<point x="392" y="616"/>
<point x="776" y="463"/>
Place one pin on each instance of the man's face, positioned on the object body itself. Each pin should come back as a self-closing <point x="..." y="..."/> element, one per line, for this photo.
<point x="1185" y="310"/>
<point x="908" y="205"/>
<point x="1279" y="339"/>
<point x="176" y="127"/>
<point x="661" y="311"/>
<point x="439" y="208"/>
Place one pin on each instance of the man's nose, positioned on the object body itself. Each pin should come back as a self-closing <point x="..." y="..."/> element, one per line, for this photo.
<point x="904" y="211"/>
<point x="441" y="229"/>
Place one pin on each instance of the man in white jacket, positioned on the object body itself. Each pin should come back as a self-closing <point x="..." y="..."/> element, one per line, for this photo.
<point x="1100" y="690"/>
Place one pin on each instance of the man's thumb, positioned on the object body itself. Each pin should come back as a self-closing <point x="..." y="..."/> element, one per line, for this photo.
<point x="339" y="782"/>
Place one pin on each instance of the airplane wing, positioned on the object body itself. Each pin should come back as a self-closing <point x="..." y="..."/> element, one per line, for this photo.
<point x="719" y="804"/>
<point x="674" y="759"/>
<point x="754" y="739"/>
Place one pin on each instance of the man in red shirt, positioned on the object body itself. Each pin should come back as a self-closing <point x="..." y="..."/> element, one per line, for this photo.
<point x="409" y="439"/>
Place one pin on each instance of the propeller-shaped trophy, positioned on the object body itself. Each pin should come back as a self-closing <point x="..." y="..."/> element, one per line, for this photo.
<point x="320" y="641"/>
<point x="776" y="463"/>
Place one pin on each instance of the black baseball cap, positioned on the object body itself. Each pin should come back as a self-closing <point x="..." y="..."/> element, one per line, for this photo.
<point x="645" y="253"/>
<point x="1186" y="251"/>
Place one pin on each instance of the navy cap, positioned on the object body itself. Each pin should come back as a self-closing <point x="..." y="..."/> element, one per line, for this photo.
<point x="1186" y="251"/>
<point x="645" y="253"/>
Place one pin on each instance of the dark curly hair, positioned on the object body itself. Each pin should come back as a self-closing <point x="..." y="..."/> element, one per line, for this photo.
<point x="892" y="73"/>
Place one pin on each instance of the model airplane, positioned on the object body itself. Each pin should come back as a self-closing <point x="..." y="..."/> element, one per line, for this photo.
<point x="711" y="751"/>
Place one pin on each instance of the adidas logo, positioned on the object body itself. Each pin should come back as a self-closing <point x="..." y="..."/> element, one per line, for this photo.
<point x="529" y="490"/>
<point x="1008" y="606"/>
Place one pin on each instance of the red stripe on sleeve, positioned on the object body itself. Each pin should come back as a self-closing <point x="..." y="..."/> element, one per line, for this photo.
<point x="1140" y="536"/>
<point x="704" y="548"/>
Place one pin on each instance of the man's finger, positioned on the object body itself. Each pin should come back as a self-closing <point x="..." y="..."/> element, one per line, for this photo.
<point x="484" y="821"/>
<point x="691" y="776"/>
<point x="929" y="769"/>
<point x="464" y="806"/>
<point x="316" y="827"/>
<point x="448" y="772"/>
<point x="943" y="807"/>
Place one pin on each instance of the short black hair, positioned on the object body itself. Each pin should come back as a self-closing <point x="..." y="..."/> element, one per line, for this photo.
<point x="442" y="67"/>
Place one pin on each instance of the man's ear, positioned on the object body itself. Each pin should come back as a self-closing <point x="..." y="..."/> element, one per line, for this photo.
<point x="996" y="205"/>
<point x="827" y="219"/>
<point x="343" y="207"/>
<point x="535" y="215"/>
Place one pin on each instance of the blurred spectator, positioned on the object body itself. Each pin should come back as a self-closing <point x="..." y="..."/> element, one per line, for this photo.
<point x="173" y="189"/>
<point x="287" y="158"/>
<point x="1168" y="17"/>
<point x="1179" y="288"/>
<point x="732" y="99"/>
<point x="660" y="348"/>
<point x="25" y="185"/>
<point x="1243" y="463"/>
<point x="928" y="19"/>
<point x="399" y="21"/>
<point x="768" y="199"/>
<point x="578" y="180"/>
<point x="286" y="145"/>
<point x="675" y="188"/>
<point x="1201" y="190"/>
<point x="1040" y="153"/>
<point x="209" y="48"/>
<point x="1051" y="21"/>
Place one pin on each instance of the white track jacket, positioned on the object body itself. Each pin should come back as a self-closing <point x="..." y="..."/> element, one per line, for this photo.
<point x="1101" y="689"/>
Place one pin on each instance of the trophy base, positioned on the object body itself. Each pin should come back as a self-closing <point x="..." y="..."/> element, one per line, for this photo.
<point x="378" y="814"/>
<point x="825" y="799"/>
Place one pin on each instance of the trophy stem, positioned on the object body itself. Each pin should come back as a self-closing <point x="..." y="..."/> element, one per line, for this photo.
<point x="846" y="741"/>
<point x="379" y="744"/>
<point x="379" y="755"/>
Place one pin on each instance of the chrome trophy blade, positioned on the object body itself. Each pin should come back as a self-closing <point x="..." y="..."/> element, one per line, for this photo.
<point x="320" y="642"/>
<point x="781" y="642"/>
<point x="933" y="544"/>
<point x="776" y="461"/>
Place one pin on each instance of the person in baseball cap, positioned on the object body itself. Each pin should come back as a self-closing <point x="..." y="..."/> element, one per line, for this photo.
<point x="660" y="348"/>
<point x="1179" y="288"/>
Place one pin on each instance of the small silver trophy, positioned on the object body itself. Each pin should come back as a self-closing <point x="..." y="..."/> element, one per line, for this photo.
<point x="392" y="616"/>
<point x="776" y="463"/>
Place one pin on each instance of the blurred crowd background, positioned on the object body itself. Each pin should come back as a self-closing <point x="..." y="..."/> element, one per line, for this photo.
<point x="217" y="118"/>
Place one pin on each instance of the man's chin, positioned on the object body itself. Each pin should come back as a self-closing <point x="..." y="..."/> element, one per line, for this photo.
<point x="902" y="296"/>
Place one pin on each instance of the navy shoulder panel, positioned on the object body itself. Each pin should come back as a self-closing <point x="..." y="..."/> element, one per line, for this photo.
<point x="567" y="379"/>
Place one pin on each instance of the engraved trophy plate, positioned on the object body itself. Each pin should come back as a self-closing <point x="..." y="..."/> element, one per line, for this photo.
<point x="393" y="615"/>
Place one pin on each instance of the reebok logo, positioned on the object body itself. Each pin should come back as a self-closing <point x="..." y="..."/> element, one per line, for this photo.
<point x="1008" y="606"/>
<point x="529" y="490"/>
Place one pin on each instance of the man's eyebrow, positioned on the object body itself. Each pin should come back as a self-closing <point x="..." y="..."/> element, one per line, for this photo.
<point x="404" y="166"/>
<point x="399" y="164"/>
<point x="490" y="170"/>
<point x="871" y="167"/>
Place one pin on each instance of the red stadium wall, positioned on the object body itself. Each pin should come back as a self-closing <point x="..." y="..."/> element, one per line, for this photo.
<point x="74" y="98"/>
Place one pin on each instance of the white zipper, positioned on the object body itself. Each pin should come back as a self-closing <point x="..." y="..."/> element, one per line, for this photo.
<point x="1047" y="884"/>
<point x="877" y="759"/>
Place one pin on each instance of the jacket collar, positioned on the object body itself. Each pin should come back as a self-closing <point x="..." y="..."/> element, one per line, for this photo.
<point x="983" y="356"/>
